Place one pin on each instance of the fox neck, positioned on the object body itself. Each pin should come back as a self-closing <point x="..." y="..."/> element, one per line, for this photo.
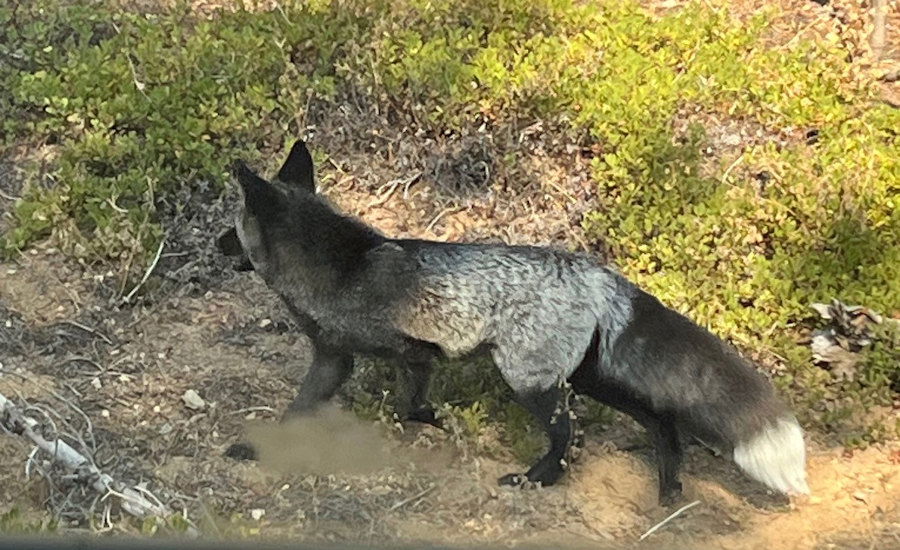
<point x="318" y="255"/>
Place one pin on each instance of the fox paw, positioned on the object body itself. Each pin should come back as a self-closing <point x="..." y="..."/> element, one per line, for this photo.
<point x="518" y="480"/>
<point x="241" y="451"/>
<point x="425" y="415"/>
<point x="670" y="495"/>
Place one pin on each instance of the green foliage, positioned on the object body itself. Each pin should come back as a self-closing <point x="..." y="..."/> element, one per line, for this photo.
<point x="141" y="105"/>
<point x="14" y="521"/>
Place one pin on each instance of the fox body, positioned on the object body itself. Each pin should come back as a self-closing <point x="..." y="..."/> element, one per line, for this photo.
<point x="544" y="315"/>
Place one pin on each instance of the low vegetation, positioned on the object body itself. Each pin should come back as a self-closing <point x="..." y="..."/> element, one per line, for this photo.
<point x="737" y="177"/>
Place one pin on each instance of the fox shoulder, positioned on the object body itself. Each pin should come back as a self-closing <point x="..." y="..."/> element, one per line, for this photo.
<point x="389" y="267"/>
<point x="389" y="258"/>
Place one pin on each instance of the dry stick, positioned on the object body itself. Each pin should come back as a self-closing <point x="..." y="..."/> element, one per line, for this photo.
<point x="391" y="187"/>
<point x="86" y="328"/>
<point x="668" y="519"/>
<point x="12" y="198"/>
<point x="730" y="168"/>
<point x="417" y="496"/>
<point x="133" y="501"/>
<point x="146" y="273"/>
<point x="877" y="38"/>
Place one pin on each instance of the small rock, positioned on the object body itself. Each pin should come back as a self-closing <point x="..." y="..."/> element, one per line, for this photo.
<point x="104" y="413"/>
<point x="96" y="383"/>
<point x="731" y="139"/>
<point x="264" y="323"/>
<point x="192" y="400"/>
<point x="257" y="513"/>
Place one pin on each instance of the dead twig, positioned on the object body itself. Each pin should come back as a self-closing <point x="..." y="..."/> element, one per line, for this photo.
<point x="415" y="497"/>
<point x="879" y="18"/>
<point x="147" y="273"/>
<point x="134" y="501"/>
<point x="260" y="408"/>
<point x="86" y="328"/>
<point x="672" y="516"/>
<point x="731" y="167"/>
<point x="10" y="198"/>
<point x="392" y="187"/>
<point x="891" y="76"/>
<point x="441" y="215"/>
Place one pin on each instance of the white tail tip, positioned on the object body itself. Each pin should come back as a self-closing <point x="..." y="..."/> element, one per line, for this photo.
<point x="776" y="457"/>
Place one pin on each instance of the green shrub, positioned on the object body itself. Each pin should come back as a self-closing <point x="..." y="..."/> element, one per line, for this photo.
<point x="141" y="105"/>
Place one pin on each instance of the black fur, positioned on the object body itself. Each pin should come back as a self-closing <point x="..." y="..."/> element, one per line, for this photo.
<point x="298" y="169"/>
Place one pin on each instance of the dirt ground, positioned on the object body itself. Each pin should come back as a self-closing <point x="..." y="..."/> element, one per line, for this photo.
<point x="348" y="480"/>
<point x="116" y="374"/>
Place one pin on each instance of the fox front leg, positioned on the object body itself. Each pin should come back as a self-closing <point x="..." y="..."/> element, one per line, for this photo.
<point x="329" y="370"/>
<point x="550" y="409"/>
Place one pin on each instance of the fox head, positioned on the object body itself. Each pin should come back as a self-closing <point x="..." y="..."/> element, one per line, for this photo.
<point x="263" y="202"/>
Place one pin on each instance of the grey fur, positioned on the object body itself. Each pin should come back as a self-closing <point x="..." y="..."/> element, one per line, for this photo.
<point x="545" y="315"/>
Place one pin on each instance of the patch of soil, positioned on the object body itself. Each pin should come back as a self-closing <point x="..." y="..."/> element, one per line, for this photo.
<point x="236" y="348"/>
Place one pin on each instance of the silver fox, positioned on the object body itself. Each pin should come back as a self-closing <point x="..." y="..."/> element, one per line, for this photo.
<point x="544" y="315"/>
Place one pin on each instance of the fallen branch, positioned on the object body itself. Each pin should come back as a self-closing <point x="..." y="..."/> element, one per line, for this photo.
<point x="674" y="515"/>
<point x="134" y="501"/>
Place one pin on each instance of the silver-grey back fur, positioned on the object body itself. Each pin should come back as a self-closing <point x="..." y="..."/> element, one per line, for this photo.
<point x="536" y="308"/>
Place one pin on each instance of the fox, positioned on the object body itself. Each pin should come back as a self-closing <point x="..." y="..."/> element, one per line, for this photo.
<point x="549" y="319"/>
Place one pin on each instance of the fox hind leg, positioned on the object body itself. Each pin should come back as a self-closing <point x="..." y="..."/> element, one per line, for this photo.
<point x="660" y="426"/>
<point x="663" y="434"/>
<point x="414" y="406"/>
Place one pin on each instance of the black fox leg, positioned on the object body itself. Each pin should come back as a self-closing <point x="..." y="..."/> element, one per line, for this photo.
<point x="663" y="434"/>
<point x="550" y="409"/>
<point x="414" y="405"/>
<point x="661" y="428"/>
<point x="330" y="368"/>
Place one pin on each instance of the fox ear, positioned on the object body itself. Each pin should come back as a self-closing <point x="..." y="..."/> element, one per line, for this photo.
<point x="298" y="168"/>
<point x="259" y="196"/>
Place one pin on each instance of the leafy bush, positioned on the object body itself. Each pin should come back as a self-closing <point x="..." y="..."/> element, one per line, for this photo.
<point x="143" y="104"/>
